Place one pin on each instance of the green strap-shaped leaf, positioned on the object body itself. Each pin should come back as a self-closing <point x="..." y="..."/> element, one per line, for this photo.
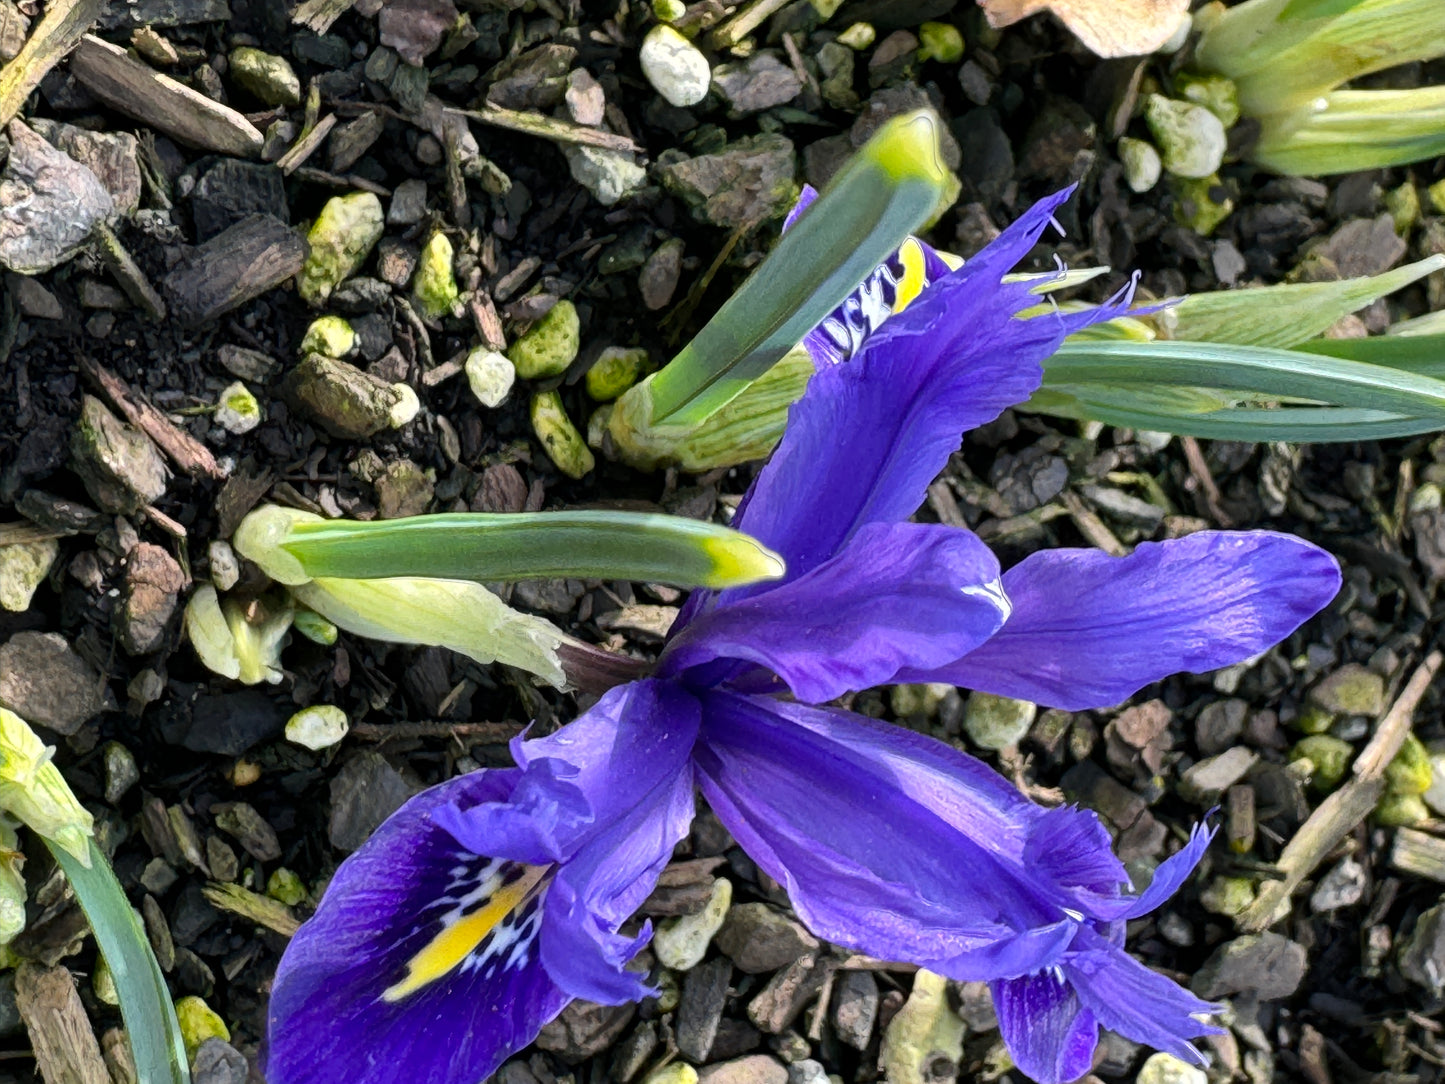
<point x="293" y="547"/>
<point x="1423" y="355"/>
<point x="1352" y="130"/>
<point x="887" y="190"/>
<point x="145" y="1002"/>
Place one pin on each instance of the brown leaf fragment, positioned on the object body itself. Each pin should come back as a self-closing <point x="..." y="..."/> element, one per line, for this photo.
<point x="1109" y="28"/>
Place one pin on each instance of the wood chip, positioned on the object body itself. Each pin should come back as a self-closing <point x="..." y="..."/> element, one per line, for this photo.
<point x="306" y="146"/>
<point x="66" y="1050"/>
<point x="262" y="910"/>
<point x="558" y="131"/>
<point x="1339" y="814"/>
<point x="132" y="88"/>
<point x="184" y="450"/>
<point x="64" y="24"/>
<point x="128" y="273"/>
<point x="242" y="262"/>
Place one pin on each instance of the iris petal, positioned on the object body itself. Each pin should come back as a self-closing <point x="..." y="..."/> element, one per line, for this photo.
<point x="342" y="1010"/>
<point x="1089" y="630"/>
<point x="867" y="862"/>
<point x="1050" y="1035"/>
<point x="897" y="595"/>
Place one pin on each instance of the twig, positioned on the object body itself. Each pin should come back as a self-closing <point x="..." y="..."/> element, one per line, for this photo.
<point x="743" y="23"/>
<point x="484" y="732"/>
<point x="1091" y="526"/>
<point x="128" y="273"/>
<point x="185" y="450"/>
<point x="1199" y="471"/>
<point x="1338" y="815"/>
<point x="63" y="26"/>
<point x="559" y="131"/>
<point x="306" y="146"/>
<point x="19" y="534"/>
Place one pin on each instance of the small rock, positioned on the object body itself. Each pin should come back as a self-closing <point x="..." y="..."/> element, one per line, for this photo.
<point x="1191" y="139"/>
<point x="1422" y="954"/>
<point x="199" y="1022"/>
<point x="23" y="568"/>
<point x="271" y="79"/>
<point x="121" y="772"/>
<point x="32" y="299"/>
<point x="1351" y="690"/>
<point x="700" y="1008"/>
<point x="680" y="943"/>
<point x="402" y="489"/>
<point x="491" y="376"/>
<point x="217" y="1062"/>
<point x="753" y="1069"/>
<point x="153" y="580"/>
<point x="241" y="822"/>
<point x="231" y="190"/>
<point x="1167" y="1069"/>
<point x="658" y="279"/>
<point x="941" y="42"/>
<point x="47" y="684"/>
<point x="341" y="238"/>
<point x="549" y="345"/>
<point x="758" y="939"/>
<point x="921" y="1034"/>
<point x="1363" y="246"/>
<point x="608" y="174"/>
<point x="1267" y="965"/>
<point x="761" y="81"/>
<point x="750" y="181"/>
<point x="237" y="411"/>
<point x="408" y="203"/>
<point x="228" y="723"/>
<point x="560" y="439"/>
<point x="1207" y="780"/>
<point x="585" y="99"/>
<point x="855" y="1008"/>
<point x="414" y="28"/>
<point x="1142" y="164"/>
<point x="319" y="727"/>
<point x="344" y="400"/>
<point x="996" y="722"/>
<point x="584" y="1029"/>
<point x="674" y="1072"/>
<point x="616" y="369"/>
<point x="247" y="364"/>
<point x="1342" y="886"/>
<point x="533" y="80"/>
<point x="674" y="66"/>
<point x="111" y="156"/>
<point x="364" y="793"/>
<point x="435" y="285"/>
<point x="49" y="204"/>
<point x="1329" y="755"/>
<point x="1219" y="725"/>
<point x="329" y="335"/>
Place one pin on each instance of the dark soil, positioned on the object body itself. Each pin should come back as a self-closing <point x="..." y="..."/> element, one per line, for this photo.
<point x="1032" y="112"/>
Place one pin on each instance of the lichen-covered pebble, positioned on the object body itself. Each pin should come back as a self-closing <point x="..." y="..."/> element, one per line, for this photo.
<point x="1190" y="139"/>
<point x="199" y="1022"/>
<point x="941" y="42"/>
<point x="616" y="369"/>
<point x="995" y="722"/>
<point x="560" y="439"/>
<point x="269" y="77"/>
<point x="329" y="335"/>
<point x="341" y="238"/>
<point x="680" y="943"/>
<point x="1330" y="757"/>
<point x="549" y="345"/>
<point x="23" y="568"/>
<point x="435" y="284"/>
<point x="285" y="886"/>
<point x="1142" y="167"/>
<point x="237" y="410"/>
<point x="318" y="727"/>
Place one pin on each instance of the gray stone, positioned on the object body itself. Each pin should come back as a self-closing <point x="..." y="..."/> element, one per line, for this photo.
<point x="408" y="203"/>
<point x="807" y="1071"/>
<point x="342" y="399"/>
<point x="241" y="822"/>
<point x="47" y="684"/>
<point x="658" y="279"/>
<point x="750" y="181"/>
<point x="1267" y="965"/>
<point x="32" y="299"/>
<point x="122" y="470"/>
<point x="759" y="939"/>
<point x="584" y="1029"/>
<point x="1421" y="955"/>
<point x="217" y="1062"/>
<point x="586" y="101"/>
<point x="414" y="28"/>
<point x="855" y="1007"/>
<point x="1205" y="781"/>
<point x="753" y="1069"/>
<point x="49" y="204"/>
<point x="1219" y="725"/>
<point x="609" y="175"/>
<point x="364" y="793"/>
<point x="700" y="1007"/>
<point x="111" y="156"/>
<point x="228" y="723"/>
<point x="1350" y="690"/>
<point x="153" y="582"/>
<point x="760" y="82"/>
<point x="1167" y="1069"/>
<point x="1342" y="886"/>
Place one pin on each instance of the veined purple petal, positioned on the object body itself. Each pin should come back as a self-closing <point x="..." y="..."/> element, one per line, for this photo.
<point x="1070" y="848"/>
<point x="867" y="862"/>
<point x="1140" y="1004"/>
<point x="341" y="1011"/>
<point x="896" y="595"/>
<point x="1172" y="873"/>
<point x="602" y="885"/>
<point x="1050" y="1036"/>
<point x="868" y="437"/>
<point x="1089" y="630"/>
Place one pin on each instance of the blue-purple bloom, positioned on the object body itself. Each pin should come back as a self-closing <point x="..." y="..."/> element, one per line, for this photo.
<point x="486" y="903"/>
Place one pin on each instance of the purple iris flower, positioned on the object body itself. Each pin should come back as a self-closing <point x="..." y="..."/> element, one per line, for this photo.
<point x="486" y="903"/>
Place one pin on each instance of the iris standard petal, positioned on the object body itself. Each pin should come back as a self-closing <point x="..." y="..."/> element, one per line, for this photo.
<point x="603" y="884"/>
<point x="420" y="960"/>
<point x="868" y="437"/>
<point x="1140" y="1004"/>
<point x="898" y="594"/>
<point x="866" y="862"/>
<point x="1049" y="1034"/>
<point x="1089" y="630"/>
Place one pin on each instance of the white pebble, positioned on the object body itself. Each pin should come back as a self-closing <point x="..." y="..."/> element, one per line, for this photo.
<point x="318" y="727"/>
<point x="491" y="376"/>
<point x="674" y="66"/>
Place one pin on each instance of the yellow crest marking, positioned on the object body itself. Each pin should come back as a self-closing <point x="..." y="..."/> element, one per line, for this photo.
<point x="912" y="281"/>
<point x="457" y="940"/>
